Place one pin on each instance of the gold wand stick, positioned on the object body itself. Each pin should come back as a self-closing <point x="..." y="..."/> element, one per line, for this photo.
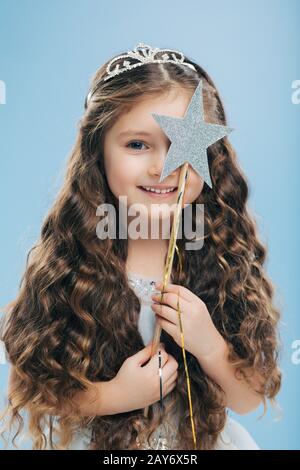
<point x="170" y="254"/>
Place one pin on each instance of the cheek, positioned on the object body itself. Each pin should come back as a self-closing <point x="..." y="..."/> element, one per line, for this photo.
<point x="194" y="188"/>
<point x="120" y="173"/>
<point x="117" y="182"/>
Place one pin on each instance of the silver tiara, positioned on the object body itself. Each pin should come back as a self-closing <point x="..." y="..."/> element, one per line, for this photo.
<point x="143" y="54"/>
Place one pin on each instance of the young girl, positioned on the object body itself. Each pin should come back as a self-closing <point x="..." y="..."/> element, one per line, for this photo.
<point x="78" y="334"/>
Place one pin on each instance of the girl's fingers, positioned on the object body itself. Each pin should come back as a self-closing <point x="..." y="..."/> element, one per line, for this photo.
<point x="166" y="325"/>
<point x="183" y="292"/>
<point x="169" y="387"/>
<point x="165" y="312"/>
<point x="171" y="300"/>
<point x="164" y="357"/>
<point x="171" y="379"/>
<point x="170" y="368"/>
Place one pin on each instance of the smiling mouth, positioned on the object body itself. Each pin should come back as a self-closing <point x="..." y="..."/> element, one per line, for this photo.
<point x="158" y="193"/>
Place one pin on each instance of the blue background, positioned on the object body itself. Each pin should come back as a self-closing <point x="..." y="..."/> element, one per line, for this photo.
<point x="49" y="51"/>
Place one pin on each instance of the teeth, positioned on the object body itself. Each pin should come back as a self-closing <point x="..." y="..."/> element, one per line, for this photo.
<point x="158" y="191"/>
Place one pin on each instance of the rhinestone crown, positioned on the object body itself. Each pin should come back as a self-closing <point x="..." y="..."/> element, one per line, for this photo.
<point x="143" y="54"/>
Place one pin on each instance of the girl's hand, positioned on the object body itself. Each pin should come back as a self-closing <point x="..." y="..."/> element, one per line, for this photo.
<point x="201" y="338"/>
<point x="140" y="386"/>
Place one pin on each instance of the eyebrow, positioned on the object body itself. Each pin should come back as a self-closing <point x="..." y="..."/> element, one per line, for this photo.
<point x="134" y="132"/>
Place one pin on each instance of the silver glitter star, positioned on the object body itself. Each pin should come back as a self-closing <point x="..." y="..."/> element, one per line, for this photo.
<point x="190" y="136"/>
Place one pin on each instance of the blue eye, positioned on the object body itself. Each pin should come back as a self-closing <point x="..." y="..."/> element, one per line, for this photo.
<point x="136" y="142"/>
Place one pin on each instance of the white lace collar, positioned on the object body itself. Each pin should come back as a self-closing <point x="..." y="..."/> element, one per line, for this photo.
<point x="143" y="286"/>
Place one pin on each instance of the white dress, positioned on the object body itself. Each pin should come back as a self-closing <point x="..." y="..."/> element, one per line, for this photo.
<point x="233" y="437"/>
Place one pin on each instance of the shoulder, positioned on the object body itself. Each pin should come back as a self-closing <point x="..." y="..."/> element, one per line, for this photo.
<point x="239" y="435"/>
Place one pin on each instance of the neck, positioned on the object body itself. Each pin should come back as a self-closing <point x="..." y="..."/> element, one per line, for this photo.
<point x="146" y="257"/>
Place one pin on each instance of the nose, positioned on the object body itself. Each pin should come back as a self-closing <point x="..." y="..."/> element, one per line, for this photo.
<point x="157" y="163"/>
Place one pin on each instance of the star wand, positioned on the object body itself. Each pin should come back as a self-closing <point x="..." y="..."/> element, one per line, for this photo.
<point x="190" y="137"/>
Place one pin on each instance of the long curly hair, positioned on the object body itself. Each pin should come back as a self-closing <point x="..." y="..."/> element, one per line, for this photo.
<point x="74" y="320"/>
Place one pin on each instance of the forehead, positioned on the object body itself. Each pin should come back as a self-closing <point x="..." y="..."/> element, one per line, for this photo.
<point x="173" y="103"/>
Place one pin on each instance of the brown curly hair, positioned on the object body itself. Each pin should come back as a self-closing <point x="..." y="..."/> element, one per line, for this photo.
<point x="75" y="317"/>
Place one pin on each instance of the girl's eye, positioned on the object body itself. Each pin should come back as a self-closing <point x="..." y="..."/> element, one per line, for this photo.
<point x="136" y="142"/>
